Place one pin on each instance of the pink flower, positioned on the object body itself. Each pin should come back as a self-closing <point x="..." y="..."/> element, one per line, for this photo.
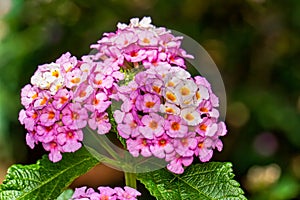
<point x="116" y="59"/>
<point x="107" y="193"/>
<point x="141" y="78"/>
<point x="162" y="146"/>
<point x="139" y="145"/>
<point x="205" y="108"/>
<point x="124" y="39"/>
<point x="83" y="92"/>
<point x="74" y="116"/>
<point x="175" y="126"/>
<point x="119" y="116"/>
<point x="130" y="127"/>
<point x="28" y="95"/>
<point x="207" y="128"/>
<point x="220" y="132"/>
<point x="168" y="41"/>
<point x="49" y="116"/>
<point x="148" y="103"/>
<point x="46" y="134"/>
<point x="176" y="60"/>
<point x="42" y="100"/>
<point x="29" y="118"/>
<point x="134" y="54"/>
<point x="162" y="69"/>
<point x="83" y="193"/>
<point x="99" y="80"/>
<point x="127" y="194"/>
<point x="152" y="59"/>
<point x="186" y="145"/>
<point x="48" y="105"/>
<point x="30" y="139"/>
<point x="204" y="149"/>
<point x="129" y="101"/>
<point x="69" y="139"/>
<point x="61" y="98"/>
<point x="55" y="150"/>
<point x="153" y="126"/>
<point x="67" y="61"/>
<point x="100" y="122"/>
<point x="221" y="129"/>
<point x="98" y="102"/>
<point x="176" y="164"/>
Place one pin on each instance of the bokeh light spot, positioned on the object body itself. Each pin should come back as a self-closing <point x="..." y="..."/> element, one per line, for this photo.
<point x="265" y="144"/>
<point x="237" y="114"/>
<point x="296" y="166"/>
<point x="261" y="177"/>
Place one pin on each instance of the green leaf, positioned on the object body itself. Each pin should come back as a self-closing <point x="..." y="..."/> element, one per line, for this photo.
<point x="205" y="181"/>
<point x="66" y="195"/>
<point x="113" y="123"/>
<point x="45" y="180"/>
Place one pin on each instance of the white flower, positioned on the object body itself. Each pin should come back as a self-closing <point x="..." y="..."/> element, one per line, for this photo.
<point x="171" y="81"/>
<point x="55" y="72"/>
<point x="134" y="22"/>
<point x="122" y="26"/>
<point x="191" y="116"/>
<point x="56" y="85"/>
<point x="48" y="76"/>
<point x="145" y="22"/>
<point x="37" y="78"/>
<point x="200" y="95"/>
<point x="181" y="73"/>
<point x="170" y="96"/>
<point x="147" y="38"/>
<point x="186" y="89"/>
<point x="169" y="109"/>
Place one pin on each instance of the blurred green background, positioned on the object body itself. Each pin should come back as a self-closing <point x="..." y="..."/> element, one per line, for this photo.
<point x="255" y="44"/>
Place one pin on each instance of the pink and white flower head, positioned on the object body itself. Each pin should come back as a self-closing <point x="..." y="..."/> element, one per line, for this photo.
<point x="165" y="112"/>
<point x="161" y="110"/>
<point x="54" y="102"/>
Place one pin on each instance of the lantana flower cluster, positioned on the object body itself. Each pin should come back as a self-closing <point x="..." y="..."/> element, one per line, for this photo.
<point x="164" y="112"/>
<point x="62" y="99"/>
<point x="170" y="115"/>
<point x="117" y="193"/>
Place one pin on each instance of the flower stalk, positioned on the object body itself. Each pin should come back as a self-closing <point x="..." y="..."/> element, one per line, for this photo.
<point x="130" y="179"/>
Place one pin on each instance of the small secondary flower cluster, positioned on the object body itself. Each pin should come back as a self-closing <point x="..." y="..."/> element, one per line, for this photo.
<point x="117" y="193"/>
<point x="168" y="114"/>
<point x="65" y="97"/>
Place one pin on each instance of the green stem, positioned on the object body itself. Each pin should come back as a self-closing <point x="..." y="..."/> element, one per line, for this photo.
<point x="130" y="179"/>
